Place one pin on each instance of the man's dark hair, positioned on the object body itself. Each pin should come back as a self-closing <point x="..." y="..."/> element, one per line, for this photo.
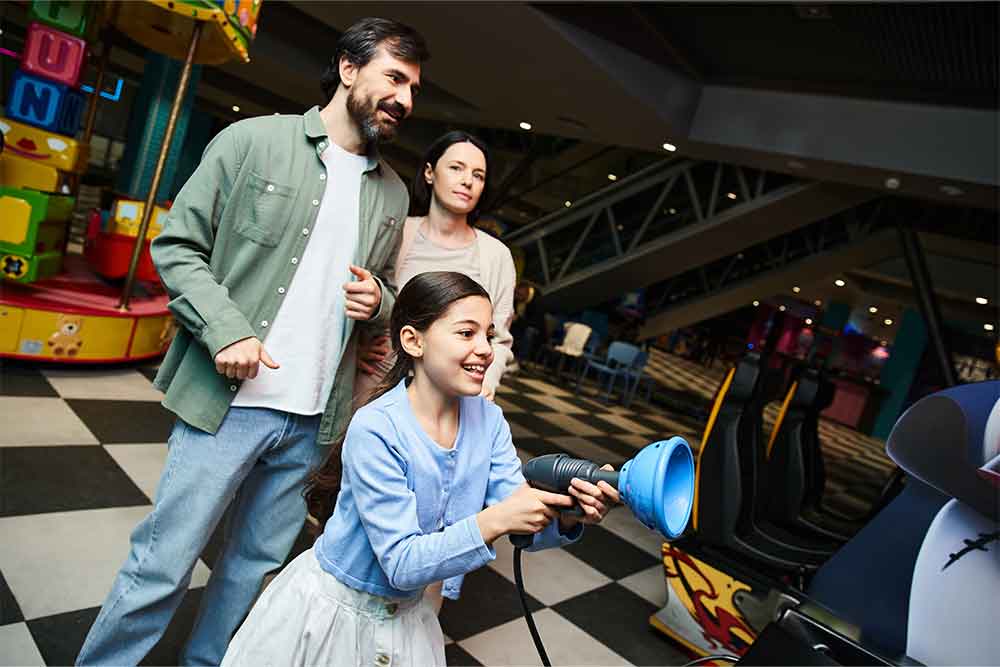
<point x="361" y="41"/>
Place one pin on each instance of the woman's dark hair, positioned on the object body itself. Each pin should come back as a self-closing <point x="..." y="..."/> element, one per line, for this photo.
<point x="420" y="199"/>
<point x="360" y="42"/>
<point x="424" y="300"/>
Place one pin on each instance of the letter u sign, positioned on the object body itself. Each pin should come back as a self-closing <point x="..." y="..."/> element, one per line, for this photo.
<point x="53" y="55"/>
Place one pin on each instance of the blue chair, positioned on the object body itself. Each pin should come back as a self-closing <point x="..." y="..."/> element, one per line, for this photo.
<point x="635" y="375"/>
<point x="620" y="358"/>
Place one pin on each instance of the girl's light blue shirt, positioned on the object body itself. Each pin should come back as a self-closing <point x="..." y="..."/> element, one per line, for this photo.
<point x="406" y="513"/>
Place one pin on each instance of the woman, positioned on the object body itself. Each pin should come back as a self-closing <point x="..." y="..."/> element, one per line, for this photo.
<point x="439" y="236"/>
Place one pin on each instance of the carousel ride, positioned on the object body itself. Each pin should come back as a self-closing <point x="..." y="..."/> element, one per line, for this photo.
<point x="107" y="306"/>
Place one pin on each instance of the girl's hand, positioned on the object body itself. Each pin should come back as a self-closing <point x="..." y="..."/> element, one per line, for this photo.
<point x="595" y="499"/>
<point x="526" y="511"/>
<point x="371" y="353"/>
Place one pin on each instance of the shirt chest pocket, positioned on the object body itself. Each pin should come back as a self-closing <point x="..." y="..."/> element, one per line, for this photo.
<point x="266" y="214"/>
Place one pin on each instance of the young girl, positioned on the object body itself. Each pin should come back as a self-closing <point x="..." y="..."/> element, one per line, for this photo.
<point x="426" y="480"/>
<point x="439" y="236"/>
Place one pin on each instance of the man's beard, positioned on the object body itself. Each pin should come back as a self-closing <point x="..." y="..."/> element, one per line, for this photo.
<point x="366" y="116"/>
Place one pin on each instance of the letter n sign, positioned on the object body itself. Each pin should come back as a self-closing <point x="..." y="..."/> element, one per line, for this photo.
<point x="53" y="54"/>
<point x="35" y="101"/>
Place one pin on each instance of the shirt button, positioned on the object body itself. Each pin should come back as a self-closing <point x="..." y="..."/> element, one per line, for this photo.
<point x="232" y="387"/>
<point x="322" y="144"/>
<point x="295" y="260"/>
<point x="315" y="202"/>
<point x="263" y="323"/>
<point x="322" y="177"/>
<point x="305" y="231"/>
<point x="281" y="290"/>
<point x="270" y="188"/>
<point x="382" y="659"/>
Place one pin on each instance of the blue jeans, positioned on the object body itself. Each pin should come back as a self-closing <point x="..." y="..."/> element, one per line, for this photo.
<point x="258" y="460"/>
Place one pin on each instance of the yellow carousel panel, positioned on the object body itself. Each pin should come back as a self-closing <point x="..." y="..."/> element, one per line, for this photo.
<point x="64" y="336"/>
<point x="152" y="336"/>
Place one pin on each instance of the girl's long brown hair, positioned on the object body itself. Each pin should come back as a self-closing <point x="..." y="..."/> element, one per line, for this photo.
<point x="419" y="304"/>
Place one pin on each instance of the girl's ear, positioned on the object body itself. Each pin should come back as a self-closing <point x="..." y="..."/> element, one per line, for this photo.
<point x="411" y="341"/>
<point x="429" y="173"/>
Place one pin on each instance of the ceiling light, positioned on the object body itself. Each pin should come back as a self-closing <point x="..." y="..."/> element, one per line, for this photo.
<point x="892" y="183"/>
<point x="731" y="195"/>
<point x="669" y="147"/>
<point x="567" y="203"/>
<point x="818" y="303"/>
<point x="525" y="126"/>
<point x="236" y="108"/>
<point x="982" y="300"/>
<point x="872" y="309"/>
<point x="952" y="191"/>
<point x="988" y="326"/>
<point x="887" y="322"/>
<point x="809" y="320"/>
<point x="756" y="303"/>
<point x="884" y="343"/>
<point x="673" y="211"/>
<point x="796" y="289"/>
<point x="839" y="283"/>
<point x="612" y="177"/>
<point x="781" y="308"/>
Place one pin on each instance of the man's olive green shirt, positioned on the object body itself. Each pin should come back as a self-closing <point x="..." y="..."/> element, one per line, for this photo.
<point x="231" y="245"/>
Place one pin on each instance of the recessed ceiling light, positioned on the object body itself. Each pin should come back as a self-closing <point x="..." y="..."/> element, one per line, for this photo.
<point x="887" y="321"/>
<point x="756" y="303"/>
<point x="781" y="308"/>
<point x="884" y="343"/>
<point x="872" y="309"/>
<point x="673" y="211"/>
<point x="669" y="147"/>
<point x="982" y="300"/>
<point x="731" y="195"/>
<point x="809" y="320"/>
<point x="818" y="303"/>
<point x="839" y="283"/>
<point x="952" y="191"/>
<point x="988" y="326"/>
<point x="567" y="203"/>
<point x="892" y="183"/>
<point x="236" y="108"/>
<point x="796" y="289"/>
<point x="525" y="125"/>
<point x="612" y="177"/>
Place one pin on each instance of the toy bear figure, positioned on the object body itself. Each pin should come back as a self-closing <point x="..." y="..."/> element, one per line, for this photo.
<point x="66" y="341"/>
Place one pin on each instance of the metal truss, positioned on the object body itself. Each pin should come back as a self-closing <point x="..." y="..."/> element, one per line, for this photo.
<point x="617" y="222"/>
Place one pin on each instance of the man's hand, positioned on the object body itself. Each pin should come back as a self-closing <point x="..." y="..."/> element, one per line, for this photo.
<point x="363" y="295"/>
<point x="242" y="359"/>
<point x="371" y="353"/>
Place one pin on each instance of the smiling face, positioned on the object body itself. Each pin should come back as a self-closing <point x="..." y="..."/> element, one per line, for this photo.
<point x="458" y="178"/>
<point x="455" y="351"/>
<point x="39" y="146"/>
<point x="380" y="94"/>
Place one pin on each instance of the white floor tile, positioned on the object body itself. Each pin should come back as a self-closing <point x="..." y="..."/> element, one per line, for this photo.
<point x="507" y="406"/>
<point x="518" y="431"/>
<point x="143" y="463"/>
<point x="33" y="421"/>
<point x="545" y="387"/>
<point x="626" y="423"/>
<point x="567" y="407"/>
<point x="565" y="643"/>
<point x="551" y="575"/>
<point x="17" y="647"/>
<point x="649" y="583"/>
<point x="119" y="384"/>
<point x="622" y="523"/>
<point x="637" y="441"/>
<point x="64" y="561"/>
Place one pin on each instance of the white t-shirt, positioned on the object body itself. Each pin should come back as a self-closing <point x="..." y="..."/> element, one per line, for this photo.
<point x="307" y="334"/>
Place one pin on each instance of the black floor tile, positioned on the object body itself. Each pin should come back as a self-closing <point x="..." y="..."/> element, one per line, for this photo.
<point x="456" y="656"/>
<point x="487" y="600"/>
<point x="536" y="424"/>
<point x="34" y="480"/>
<point x="524" y="401"/>
<point x="18" y="379"/>
<point x="167" y="650"/>
<point x="609" y="554"/>
<point x="619" y="619"/>
<point x="595" y="421"/>
<point x="60" y="637"/>
<point x="124" y="421"/>
<point x="149" y="371"/>
<point x="10" y="610"/>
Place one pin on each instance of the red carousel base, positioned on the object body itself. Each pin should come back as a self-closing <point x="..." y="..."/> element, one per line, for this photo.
<point x="74" y="318"/>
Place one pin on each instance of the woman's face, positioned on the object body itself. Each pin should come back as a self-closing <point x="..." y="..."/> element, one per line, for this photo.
<point x="458" y="178"/>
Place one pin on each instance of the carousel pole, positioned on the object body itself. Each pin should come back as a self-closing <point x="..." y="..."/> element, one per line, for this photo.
<point x="147" y="211"/>
<point x="88" y="125"/>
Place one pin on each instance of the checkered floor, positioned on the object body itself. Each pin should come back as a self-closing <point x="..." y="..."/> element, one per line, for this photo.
<point x="81" y="454"/>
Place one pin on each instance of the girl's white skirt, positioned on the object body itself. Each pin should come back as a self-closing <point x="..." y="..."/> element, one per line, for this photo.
<point x="308" y="617"/>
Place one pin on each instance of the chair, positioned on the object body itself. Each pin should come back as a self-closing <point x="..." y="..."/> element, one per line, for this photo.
<point x="635" y="375"/>
<point x="619" y="360"/>
<point x="572" y="344"/>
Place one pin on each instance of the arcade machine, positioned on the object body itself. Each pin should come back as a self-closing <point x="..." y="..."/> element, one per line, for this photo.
<point x="66" y="308"/>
